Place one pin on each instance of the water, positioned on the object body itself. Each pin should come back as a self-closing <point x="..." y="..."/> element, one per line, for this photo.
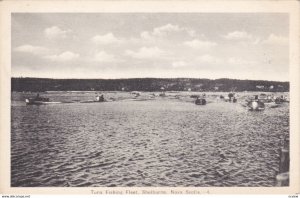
<point x="160" y="142"/>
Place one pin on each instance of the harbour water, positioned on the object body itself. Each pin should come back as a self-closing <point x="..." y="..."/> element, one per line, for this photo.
<point x="160" y="141"/>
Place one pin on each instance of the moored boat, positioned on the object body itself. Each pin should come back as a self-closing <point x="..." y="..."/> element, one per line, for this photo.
<point x="200" y="101"/>
<point x="136" y="93"/>
<point x="37" y="100"/>
<point x="98" y="99"/>
<point x="255" y="105"/>
<point x="281" y="99"/>
<point x="162" y="94"/>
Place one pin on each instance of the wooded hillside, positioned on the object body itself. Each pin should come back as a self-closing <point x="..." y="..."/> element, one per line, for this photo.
<point x="145" y="84"/>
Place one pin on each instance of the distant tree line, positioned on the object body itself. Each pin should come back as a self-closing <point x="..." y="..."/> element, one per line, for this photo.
<point x="146" y="84"/>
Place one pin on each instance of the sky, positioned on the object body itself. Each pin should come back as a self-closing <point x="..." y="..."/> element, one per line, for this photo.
<point x="163" y="45"/>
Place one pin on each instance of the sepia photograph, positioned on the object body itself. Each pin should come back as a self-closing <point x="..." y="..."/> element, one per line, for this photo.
<point x="150" y="99"/>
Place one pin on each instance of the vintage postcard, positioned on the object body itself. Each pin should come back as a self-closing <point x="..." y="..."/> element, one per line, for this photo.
<point x="149" y="97"/>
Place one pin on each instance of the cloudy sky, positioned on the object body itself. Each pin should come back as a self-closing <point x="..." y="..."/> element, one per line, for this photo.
<point x="127" y="45"/>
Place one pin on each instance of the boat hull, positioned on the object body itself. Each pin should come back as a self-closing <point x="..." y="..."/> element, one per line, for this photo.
<point x="255" y="106"/>
<point x="30" y="101"/>
<point x="200" y="102"/>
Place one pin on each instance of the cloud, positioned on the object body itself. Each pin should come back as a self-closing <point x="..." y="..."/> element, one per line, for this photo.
<point x="257" y="41"/>
<point x="200" y="44"/>
<point x="179" y="64"/>
<point x="191" y="32"/>
<point x="276" y="40"/>
<point x="36" y="50"/>
<point x="65" y="56"/>
<point x="240" y="61"/>
<point x="102" y="56"/>
<point x="206" y="58"/>
<point x="55" y="32"/>
<point x="238" y="35"/>
<point x="105" y="39"/>
<point x="166" y="30"/>
<point x="145" y="53"/>
<point x="146" y="35"/>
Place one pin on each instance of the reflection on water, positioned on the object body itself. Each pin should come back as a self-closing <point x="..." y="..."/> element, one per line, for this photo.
<point x="145" y="143"/>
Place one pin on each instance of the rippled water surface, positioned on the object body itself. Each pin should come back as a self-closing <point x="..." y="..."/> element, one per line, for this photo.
<point x="158" y="142"/>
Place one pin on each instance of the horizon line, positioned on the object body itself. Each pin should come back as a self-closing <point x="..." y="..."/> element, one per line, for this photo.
<point x="145" y="78"/>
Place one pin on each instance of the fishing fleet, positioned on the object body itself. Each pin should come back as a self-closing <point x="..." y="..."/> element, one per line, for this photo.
<point x="251" y="103"/>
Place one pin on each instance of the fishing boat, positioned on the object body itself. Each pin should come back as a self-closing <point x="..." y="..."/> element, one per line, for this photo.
<point x="265" y="98"/>
<point x="163" y="94"/>
<point x="39" y="101"/>
<point x="272" y="105"/>
<point x="231" y="96"/>
<point x="30" y="101"/>
<point x="281" y="99"/>
<point x="255" y="105"/>
<point x="136" y="93"/>
<point x="98" y="99"/>
<point x="200" y="101"/>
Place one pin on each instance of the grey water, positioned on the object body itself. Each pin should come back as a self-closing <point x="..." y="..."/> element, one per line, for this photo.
<point x="160" y="142"/>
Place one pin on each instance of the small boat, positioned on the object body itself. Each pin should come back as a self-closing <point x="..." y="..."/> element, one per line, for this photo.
<point x="163" y="94"/>
<point x="272" y="105"/>
<point x="91" y="101"/>
<point x="200" y="101"/>
<point x="226" y="99"/>
<point x="265" y="98"/>
<point x="280" y="100"/>
<point x="136" y="93"/>
<point x="194" y="96"/>
<point x="231" y="97"/>
<point x="39" y="101"/>
<point x="255" y="105"/>
<point x="98" y="99"/>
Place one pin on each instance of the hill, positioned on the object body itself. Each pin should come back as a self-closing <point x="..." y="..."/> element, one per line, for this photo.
<point x="146" y="84"/>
